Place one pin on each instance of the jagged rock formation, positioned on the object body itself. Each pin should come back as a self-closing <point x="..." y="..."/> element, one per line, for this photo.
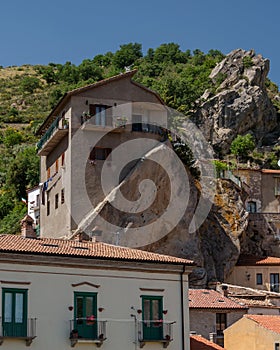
<point x="241" y="104"/>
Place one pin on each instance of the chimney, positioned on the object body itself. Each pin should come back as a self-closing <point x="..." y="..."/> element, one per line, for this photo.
<point x="27" y="229"/>
<point x="225" y="290"/>
<point x="213" y="337"/>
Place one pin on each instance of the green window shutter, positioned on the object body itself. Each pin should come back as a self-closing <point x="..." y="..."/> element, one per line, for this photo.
<point x="14" y="312"/>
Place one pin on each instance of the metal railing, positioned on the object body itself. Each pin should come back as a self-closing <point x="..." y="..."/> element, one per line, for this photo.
<point x="58" y="123"/>
<point x="26" y="330"/>
<point x="155" y="330"/>
<point x="83" y="331"/>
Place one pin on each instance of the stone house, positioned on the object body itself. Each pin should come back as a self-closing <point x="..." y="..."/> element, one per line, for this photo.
<point x="260" y="332"/>
<point x="256" y="272"/>
<point x="58" y="294"/>
<point x="263" y="190"/>
<point x="211" y="313"/>
<point x="80" y="135"/>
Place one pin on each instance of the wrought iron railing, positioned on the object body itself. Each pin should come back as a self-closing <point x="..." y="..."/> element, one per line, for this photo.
<point x="155" y="330"/>
<point x="23" y="330"/>
<point x="82" y="329"/>
<point x="58" y="123"/>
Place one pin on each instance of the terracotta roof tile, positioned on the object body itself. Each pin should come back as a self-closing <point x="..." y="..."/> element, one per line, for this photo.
<point x="271" y="322"/>
<point x="250" y="260"/>
<point x="211" y="299"/>
<point x="254" y="302"/>
<point x="200" y="343"/>
<point x="87" y="249"/>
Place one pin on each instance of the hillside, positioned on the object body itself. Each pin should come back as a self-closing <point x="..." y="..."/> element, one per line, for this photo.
<point x="28" y="93"/>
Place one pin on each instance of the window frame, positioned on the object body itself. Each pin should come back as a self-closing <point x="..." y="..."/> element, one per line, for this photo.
<point x="56" y="200"/>
<point x="95" y="153"/>
<point x="152" y="330"/>
<point x="14" y="328"/>
<point x="274" y="286"/>
<point x="259" y="279"/>
<point x="82" y="325"/>
<point x="219" y="323"/>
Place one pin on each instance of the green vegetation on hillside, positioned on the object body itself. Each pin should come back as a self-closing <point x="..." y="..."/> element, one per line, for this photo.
<point x="28" y="94"/>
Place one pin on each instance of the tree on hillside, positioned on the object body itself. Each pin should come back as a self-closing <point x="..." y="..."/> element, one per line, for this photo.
<point x="127" y="55"/>
<point x="23" y="172"/>
<point x="242" y="145"/>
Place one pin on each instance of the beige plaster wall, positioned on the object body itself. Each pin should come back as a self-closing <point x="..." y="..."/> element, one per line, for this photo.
<point x="50" y="293"/>
<point x="246" y="276"/>
<point x="246" y="334"/>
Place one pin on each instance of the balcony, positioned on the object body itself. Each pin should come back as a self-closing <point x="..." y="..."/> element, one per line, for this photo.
<point x="16" y="330"/>
<point x="98" y="123"/>
<point x="155" y="331"/>
<point x="54" y="134"/>
<point x="83" y="332"/>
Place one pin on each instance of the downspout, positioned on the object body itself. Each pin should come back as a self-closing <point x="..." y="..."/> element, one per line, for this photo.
<point x="182" y="307"/>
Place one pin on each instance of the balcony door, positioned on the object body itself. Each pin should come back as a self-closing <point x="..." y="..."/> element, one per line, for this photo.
<point x="14" y="312"/>
<point x="85" y="314"/>
<point x="152" y="318"/>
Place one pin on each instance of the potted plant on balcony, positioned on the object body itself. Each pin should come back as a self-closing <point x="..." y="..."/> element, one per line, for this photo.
<point x="121" y="122"/>
<point x="90" y="320"/>
<point x="158" y="323"/>
<point x="65" y="123"/>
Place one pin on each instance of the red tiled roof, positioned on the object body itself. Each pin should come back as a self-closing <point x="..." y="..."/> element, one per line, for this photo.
<point x="86" y="249"/>
<point x="270" y="171"/>
<point x="211" y="299"/>
<point x="271" y="322"/>
<point x="250" y="260"/>
<point x="254" y="303"/>
<point x="200" y="343"/>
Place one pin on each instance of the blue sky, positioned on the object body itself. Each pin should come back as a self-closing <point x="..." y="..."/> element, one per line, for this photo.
<point x="39" y="32"/>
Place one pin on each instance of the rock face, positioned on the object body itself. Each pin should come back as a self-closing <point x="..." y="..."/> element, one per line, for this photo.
<point x="241" y="104"/>
<point x="215" y="247"/>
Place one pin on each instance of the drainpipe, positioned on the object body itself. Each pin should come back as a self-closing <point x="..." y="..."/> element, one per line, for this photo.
<point x="182" y="307"/>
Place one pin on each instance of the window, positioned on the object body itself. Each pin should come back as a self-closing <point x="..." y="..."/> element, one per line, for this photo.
<point x="48" y="173"/>
<point x="259" y="278"/>
<point x="277" y="186"/>
<point x="62" y="159"/>
<point x="277" y="346"/>
<point x="37" y="200"/>
<point x="48" y="207"/>
<point x="99" y="153"/>
<point x="136" y="122"/>
<point x="56" y="201"/>
<point x="152" y="317"/>
<point x="56" y="166"/>
<point x="102" y="114"/>
<point x="85" y="312"/>
<point x="221" y="323"/>
<point x="62" y="196"/>
<point x="252" y="207"/>
<point x="14" y="312"/>
<point x="274" y="282"/>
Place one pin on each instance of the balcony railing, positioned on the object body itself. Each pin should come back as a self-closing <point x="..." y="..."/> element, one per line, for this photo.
<point x="58" y="124"/>
<point x="155" y="331"/>
<point x="23" y="330"/>
<point x="81" y="331"/>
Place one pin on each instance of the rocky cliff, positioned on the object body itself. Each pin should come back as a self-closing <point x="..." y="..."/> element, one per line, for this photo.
<point x="240" y="103"/>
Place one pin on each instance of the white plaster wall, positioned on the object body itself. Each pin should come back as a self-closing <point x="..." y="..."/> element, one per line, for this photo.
<point x="50" y="293"/>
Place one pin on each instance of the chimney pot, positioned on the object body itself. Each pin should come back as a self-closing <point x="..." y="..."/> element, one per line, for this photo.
<point x="27" y="229"/>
